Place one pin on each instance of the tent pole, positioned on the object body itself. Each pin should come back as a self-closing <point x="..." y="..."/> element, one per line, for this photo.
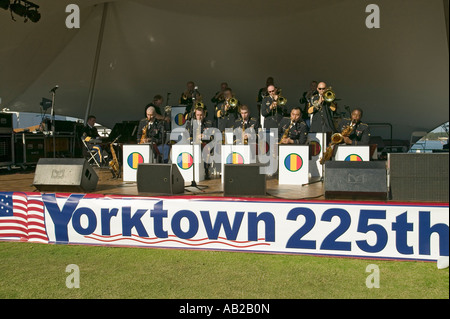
<point x="446" y="17"/>
<point x="97" y="56"/>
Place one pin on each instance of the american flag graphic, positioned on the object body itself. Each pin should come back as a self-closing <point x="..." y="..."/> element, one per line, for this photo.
<point x="22" y="217"/>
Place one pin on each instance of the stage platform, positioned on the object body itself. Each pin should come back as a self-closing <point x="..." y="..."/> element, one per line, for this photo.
<point x="22" y="181"/>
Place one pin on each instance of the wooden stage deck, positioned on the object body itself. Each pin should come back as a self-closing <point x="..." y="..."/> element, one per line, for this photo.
<point x="22" y="181"/>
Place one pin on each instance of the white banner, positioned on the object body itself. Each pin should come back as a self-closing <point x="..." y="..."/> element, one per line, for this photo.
<point x="365" y="229"/>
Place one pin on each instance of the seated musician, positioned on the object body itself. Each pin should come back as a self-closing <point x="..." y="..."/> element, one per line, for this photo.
<point x="245" y="122"/>
<point x="92" y="138"/>
<point x="196" y="128"/>
<point x="293" y="130"/>
<point x="360" y="133"/>
<point x="150" y="130"/>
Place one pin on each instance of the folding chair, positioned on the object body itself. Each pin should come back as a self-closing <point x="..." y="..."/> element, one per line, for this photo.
<point x="90" y="154"/>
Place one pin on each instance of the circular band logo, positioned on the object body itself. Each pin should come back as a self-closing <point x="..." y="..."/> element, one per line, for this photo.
<point x="293" y="162"/>
<point x="134" y="159"/>
<point x="314" y="148"/>
<point x="235" y="158"/>
<point x="185" y="160"/>
<point x="179" y="119"/>
<point x="353" y="158"/>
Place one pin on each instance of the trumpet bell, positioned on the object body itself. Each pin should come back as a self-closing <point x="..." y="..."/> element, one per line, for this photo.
<point x="329" y="95"/>
<point x="282" y="101"/>
<point x="233" y="102"/>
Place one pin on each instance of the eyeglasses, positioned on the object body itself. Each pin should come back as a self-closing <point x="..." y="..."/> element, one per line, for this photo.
<point x="271" y="91"/>
<point x="321" y="88"/>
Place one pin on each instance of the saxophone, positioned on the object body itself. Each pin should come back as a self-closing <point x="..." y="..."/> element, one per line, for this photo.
<point x="244" y="139"/>
<point x="286" y="131"/>
<point x="114" y="163"/>
<point x="337" y="138"/>
<point x="143" y="139"/>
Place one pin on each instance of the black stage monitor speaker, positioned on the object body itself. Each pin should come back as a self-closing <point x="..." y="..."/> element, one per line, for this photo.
<point x="64" y="175"/>
<point x="244" y="180"/>
<point x="159" y="179"/>
<point x="351" y="180"/>
<point x="418" y="176"/>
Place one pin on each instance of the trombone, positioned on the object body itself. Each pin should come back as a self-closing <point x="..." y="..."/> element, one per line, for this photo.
<point x="225" y="107"/>
<point x="328" y="96"/>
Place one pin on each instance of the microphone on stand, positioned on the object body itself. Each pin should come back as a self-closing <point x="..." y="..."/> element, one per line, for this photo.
<point x="54" y="89"/>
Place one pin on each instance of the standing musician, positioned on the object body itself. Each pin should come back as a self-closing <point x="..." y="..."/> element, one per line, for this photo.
<point x="218" y="97"/>
<point x="157" y="103"/>
<point x="262" y="93"/>
<point x="321" y="110"/>
<point x="196" y="128"/>
<point x="293" y="130"/>
<point x="271" y="109"/>
<point x="190" y="96"/>
<point x="226" y="111"/>
<point x="150" y="130"/>
<point x="245" y="122"/>
<point x="360" y="134"/>
<point x="306" y="101"/>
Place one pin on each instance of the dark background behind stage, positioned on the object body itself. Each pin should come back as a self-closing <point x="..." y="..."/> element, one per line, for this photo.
<point x="398" y="73"/>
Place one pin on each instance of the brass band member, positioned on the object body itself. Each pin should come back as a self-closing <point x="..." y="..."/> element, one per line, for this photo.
<point x="149" y="129"/>
<point x="190" y="96"/>
<point x="322" y="116"/>
<point x="270" y="108"/>
<point x="245" y="122"/>
<point x="226" y="111"/>
<point x="293" y="129"/>
<point x="157" y="103"/>
<point x="201" y="124"/>
<point x="360" y="134"/>
<point x="262" y="93"/>
<point x="218" y="97"/>
<point x="196" y="128"/>
<point x="306" y="101"/>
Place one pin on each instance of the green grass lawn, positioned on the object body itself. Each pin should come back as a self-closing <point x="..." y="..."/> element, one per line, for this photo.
<point x="39" y="271"/>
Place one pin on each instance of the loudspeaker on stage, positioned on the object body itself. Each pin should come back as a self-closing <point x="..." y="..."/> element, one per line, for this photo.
<point x="64" y="175"/>
<point x="244" y="180"/>
<point x="159" y="179"/>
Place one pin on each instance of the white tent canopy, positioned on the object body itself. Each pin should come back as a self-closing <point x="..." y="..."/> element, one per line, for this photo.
<point x="397" y="74"/>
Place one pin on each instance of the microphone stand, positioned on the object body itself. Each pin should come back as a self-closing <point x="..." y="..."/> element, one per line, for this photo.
<point x="53" y="91"/>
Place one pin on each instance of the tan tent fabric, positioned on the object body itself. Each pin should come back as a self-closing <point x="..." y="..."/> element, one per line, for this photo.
<point x="398" y="73"/>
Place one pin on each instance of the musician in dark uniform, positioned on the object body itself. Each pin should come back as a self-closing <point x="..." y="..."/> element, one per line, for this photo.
<point x="361" y="132"/>
<point x="246" y="122"/>
<point x="293" y="130"/>
<point x="262" y="93"/>
<point x="92" y="138"/>
<point x="322" y="114"/>
<point x="150" y="131"/>
<point x="198" y="125"/>
<point x="189" y="97"/>
<point x="225" y="113"/>
<point x="271" y="110"/>
<point x="196" y="128"/>
<point x="306" y="100"/>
